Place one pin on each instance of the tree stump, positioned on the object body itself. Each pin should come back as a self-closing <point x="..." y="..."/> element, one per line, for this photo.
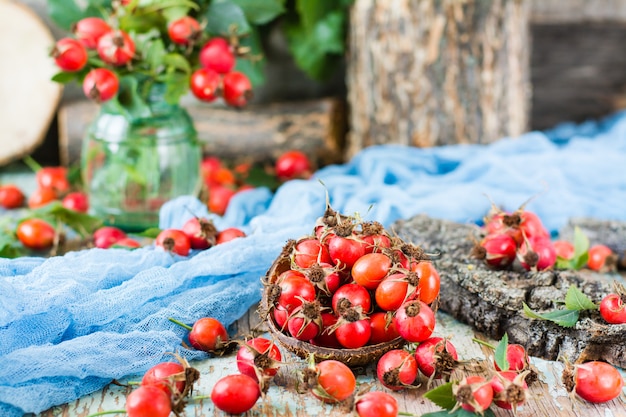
<point x="426" y="72"/>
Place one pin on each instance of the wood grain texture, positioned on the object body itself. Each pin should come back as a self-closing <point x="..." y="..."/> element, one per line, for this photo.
<point x="428" y="73"/>
<point x="283" y="399"/>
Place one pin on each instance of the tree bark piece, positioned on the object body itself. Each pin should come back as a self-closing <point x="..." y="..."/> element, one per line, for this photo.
<point x="491" y="301"/>
<point x="427" y="72"/>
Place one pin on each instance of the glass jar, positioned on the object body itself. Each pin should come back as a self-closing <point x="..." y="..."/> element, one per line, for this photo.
<point x="132" y="165"/>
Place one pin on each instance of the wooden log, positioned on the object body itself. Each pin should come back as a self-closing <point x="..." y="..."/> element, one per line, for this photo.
<point x="258" y="133"/>
<point x="428" y="72"/>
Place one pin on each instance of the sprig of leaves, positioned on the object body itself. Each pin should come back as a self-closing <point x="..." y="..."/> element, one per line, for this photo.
<point x="444" y="398"/>
<point x="575" y="302"/>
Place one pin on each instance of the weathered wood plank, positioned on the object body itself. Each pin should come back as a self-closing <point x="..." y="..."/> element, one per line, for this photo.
<point x="577" y="11"/>
<point x="282" y="400"/>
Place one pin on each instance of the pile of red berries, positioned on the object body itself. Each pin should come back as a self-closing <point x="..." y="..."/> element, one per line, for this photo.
<point x="515" y="236"/>
<point x="351" y="284"/>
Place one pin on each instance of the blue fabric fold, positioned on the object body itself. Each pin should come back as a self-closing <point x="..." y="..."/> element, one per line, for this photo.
<point x="71" y="324"/>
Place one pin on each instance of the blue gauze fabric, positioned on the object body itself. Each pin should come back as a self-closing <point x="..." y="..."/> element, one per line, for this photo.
<point x="71" y="324"/>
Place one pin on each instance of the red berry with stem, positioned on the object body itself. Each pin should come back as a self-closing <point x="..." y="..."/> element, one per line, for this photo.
<point x="148" y="401"/>
<point x="613" y="308"/>
<point x="397" y="369"/>
<point x="205" y="84"/>
<point x="202" y="232"/>
<point x="259" y="358"/>
<point x="69" y="54"/>
<point x="382" y="328"/>
<point x="330" y="380"/>
<point x="173" y="240"/>
<point x="127" y="243"/>
<point x="537" y="253"/>
<point x="228" y="234"/>
<point x="376" y="404"/>
<point x="564" y="249"/>
<point x="168" y="376"/>
<point x="353" y="329"/>
<point x="77" y="201"/>
<point x="309" y="251"/>
<point x="219" y="198"/>
<point x="292" y="164"/>
<point x="498" y="250"/>
<point x="510" y="389"/>
<point x="516" y="357"/>
<point x="41" y="196"/>
<point x="89" y="30"/>
<point x="473" y="393"/>
<point x="370" y="269"/>
<point x="184" y="31"/>
<point x="217" y="55"/>
<point x="207" y="334"/>
<point x="415" y="321"/>
<point x="107" y="236"/>
<point x="436" y="357"/>
<point x="11" y="196"/>
<point x="593" y="381"/>
<point x="116" y="48"/>
<point x="237" y="89"/>
<point x="100" y="84"/>
<point x="235" y="394"/>
<point x="601" y="258"/>
<point x="36" y="234"/>
<point x="53" y="177"/>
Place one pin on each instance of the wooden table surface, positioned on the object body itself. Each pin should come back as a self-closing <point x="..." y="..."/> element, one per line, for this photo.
<point x="549" y="397"/>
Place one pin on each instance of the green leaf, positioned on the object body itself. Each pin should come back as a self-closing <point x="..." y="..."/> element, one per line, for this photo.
<point x="151" y="233"/>
<point x="64" y="77"/>
<point x="222" y="16"/>
<point x="81" y="223"/>
<point x="500" y="353"/>
<point x="130" y="99"/>
<point x="177" y="85"/>
<point x="261" y="12"/>
<point x="176" y="62"/>
<point x="259" y="177"/>
<point x="442" y="396"/>
<point x="575" y="299"/>
<point x="316" y="51"/>
<point x="64" y="13"/>
<point x="155" y="54"/>
<point x="311" y="12"/>
<point x="564" y="318"/>
<point x="581" y="249"/>
<point x="254" y="65"/>
<point x="9" y="246"/>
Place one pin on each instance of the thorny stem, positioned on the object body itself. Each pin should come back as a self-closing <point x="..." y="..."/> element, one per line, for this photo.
<point x="102" y="413"/>
<point x="484" y="343"/>
<point x="181" y="324"/>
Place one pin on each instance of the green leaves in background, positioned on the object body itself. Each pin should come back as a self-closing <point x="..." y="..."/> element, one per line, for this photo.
<point x="315" y="32"/>
<point x="317" y="35"/>
<point x="55" y="213"/>
<point x="575" y="302"/>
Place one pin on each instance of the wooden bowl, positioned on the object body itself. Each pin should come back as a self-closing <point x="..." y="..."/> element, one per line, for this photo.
<point x="352" y="357"/>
